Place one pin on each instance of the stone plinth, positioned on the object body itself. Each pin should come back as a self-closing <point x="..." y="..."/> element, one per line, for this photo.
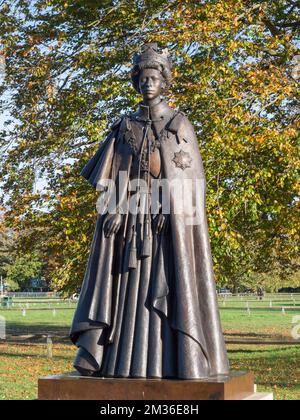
<point x="236" y="386"/>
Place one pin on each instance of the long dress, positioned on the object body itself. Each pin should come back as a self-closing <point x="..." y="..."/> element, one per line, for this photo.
<point x="130" y="322"/>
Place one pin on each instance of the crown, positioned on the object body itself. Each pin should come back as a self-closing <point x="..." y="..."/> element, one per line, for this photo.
<point x="150" y="52"/>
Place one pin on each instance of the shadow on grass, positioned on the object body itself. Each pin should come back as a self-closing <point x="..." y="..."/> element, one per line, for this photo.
<point x="42" y="329"/>
<point x="249" y="335"/>
<point x="36" y="340"/>
<point x="33" y="356"/>
<point x="250" y="351"/>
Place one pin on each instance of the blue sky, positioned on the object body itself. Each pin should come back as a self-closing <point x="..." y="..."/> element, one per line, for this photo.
<point x="3" y="118"/>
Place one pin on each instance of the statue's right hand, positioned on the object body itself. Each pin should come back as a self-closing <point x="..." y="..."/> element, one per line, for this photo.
<point x="112" y="225"/>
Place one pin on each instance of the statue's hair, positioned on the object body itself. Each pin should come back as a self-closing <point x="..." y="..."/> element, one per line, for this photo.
<point x="164" y="70"/>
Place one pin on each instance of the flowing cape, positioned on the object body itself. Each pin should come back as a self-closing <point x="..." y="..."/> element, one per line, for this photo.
<point x="195" y="307"/>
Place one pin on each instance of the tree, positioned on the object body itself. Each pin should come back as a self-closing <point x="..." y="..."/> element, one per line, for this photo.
<point x="67" y="77"/>
<point x="22" y="271"/>
<point x="6" y="248"/>
<point x="272" y="283"/>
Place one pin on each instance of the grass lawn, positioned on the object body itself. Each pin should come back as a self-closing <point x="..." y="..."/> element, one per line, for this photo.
<point x="35" y="321"/>
<point x="21" y="365"/>
<point x="261" y="323"/>
<point x="276" y="368"/>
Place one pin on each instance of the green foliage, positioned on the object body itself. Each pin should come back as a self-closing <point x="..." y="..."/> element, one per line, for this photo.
<point x="24" y="269"/>
<point x="68" y="78"/>
<point x="272" y="283"/>
<point x="6" y="254"/>
<point x="6" y="246"/>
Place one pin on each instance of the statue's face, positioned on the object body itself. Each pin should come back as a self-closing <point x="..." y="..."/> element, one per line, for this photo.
<point x="151" y="83"/>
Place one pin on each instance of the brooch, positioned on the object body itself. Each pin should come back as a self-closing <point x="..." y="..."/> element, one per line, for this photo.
<point x="182" y="160"/>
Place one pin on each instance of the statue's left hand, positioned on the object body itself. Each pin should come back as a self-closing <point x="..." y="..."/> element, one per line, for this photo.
<point x="112" y="225"/>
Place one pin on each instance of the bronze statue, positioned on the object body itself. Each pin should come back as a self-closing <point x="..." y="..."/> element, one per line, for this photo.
<point x="148" y="305"/>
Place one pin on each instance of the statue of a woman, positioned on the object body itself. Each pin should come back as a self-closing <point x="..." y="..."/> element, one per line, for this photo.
<point x="148" y="305"/>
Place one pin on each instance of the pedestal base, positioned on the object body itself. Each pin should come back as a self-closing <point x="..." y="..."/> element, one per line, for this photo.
<point x="236" y="386"/>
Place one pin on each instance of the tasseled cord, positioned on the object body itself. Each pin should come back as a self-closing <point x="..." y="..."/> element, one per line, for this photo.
<point x="146" y="249"/>
<point x="132" y="263"/>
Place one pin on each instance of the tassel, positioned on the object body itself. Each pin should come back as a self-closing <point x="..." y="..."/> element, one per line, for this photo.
<point x="146" y="249"/>
<point x="132" y="263"/>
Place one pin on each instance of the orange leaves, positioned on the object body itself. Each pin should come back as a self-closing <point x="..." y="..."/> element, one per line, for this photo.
<point x="268" y="81"/>
<point x="29" y="363"/>
<point x="232" y="78"/>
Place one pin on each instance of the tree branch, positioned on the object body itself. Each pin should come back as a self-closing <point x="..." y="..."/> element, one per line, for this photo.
<point x="272" y="28"/>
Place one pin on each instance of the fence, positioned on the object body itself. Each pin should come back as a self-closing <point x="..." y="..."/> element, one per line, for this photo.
<point x="35" y="295"/>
